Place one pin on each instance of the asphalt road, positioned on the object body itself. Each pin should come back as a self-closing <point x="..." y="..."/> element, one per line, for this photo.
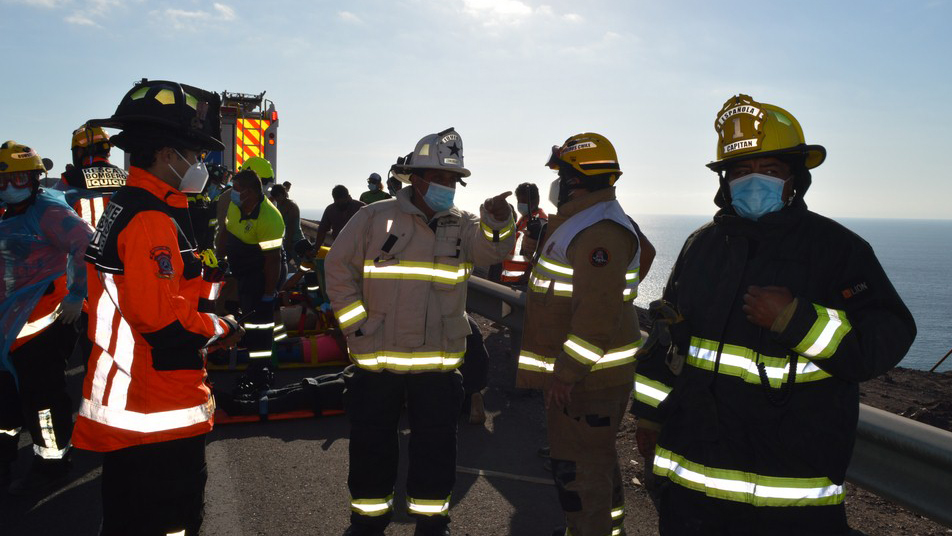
<point x="289" y="477"/>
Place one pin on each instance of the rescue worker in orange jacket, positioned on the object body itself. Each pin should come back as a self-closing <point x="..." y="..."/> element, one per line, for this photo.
<point x="396" y="277"/>
<point x="146" y="403"/>
<point x="581" y="332"/>
<point x="41" y="241"/>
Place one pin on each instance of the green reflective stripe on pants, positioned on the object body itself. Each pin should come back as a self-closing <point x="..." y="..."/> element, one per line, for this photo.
<point x="429" y="507"/>
<point x="650" y="392"/>
<point x="372" y="507"/>
<point x="745" y="487"/>
<point x="826" y="334"/>
<point x="741" y="362"/>
<point x="408" y="361"/>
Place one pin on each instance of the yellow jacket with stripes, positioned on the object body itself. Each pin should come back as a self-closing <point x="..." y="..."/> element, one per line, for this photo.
<point x="397" y="282"/>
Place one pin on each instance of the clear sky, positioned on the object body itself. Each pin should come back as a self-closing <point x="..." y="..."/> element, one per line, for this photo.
<point x="357" y="83"/>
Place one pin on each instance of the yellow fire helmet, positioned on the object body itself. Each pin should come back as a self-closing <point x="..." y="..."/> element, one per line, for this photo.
<point x="16" y="157"/>
<point x="260" y="166"/>
<point x="87" y="136"/>
<point x="589" y="154"/>
<point x="747" y="128"/>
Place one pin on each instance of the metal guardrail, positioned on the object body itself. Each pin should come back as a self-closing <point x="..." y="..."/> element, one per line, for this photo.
<point x="899" y="459"/>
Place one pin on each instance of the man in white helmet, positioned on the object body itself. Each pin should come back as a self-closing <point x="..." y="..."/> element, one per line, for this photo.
<point x="776" y="314"/>
<point x="396" y="277"/>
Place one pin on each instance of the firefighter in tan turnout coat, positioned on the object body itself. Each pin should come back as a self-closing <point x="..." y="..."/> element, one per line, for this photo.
<point x="581" y="332"/>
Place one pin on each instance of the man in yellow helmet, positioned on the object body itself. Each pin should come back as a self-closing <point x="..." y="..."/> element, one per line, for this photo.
<point x="581" y="331"/>
<point x="775" y="314"/>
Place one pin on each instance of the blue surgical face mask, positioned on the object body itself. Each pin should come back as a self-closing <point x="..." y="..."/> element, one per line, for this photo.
<point x="439" y="197"/>
<point x="12" y="195"/>
<point x="755" y="195"/>
<point x="523" y="208"/>
<point x="235" y="197"/>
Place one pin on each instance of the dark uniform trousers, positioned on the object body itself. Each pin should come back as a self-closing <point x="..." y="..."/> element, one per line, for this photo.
<point x="585" y="462"/>
<point x="41" y="403"/>
<point x="373" y="402"/>
<point x="155" y="489"/>
<point x="261" y="329"/>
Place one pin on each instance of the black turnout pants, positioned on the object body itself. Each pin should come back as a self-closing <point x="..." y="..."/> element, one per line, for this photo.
<point x="154" y="489"/>
<point x="374" y="401"/>
<point x="40" y="403"/>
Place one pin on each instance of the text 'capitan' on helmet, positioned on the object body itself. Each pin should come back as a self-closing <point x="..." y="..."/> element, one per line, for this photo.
<point x="747" y="129"/>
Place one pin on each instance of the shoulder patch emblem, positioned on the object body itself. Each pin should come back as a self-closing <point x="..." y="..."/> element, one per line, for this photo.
<point x="600" y="257"/>
<point x="163" y="262"/>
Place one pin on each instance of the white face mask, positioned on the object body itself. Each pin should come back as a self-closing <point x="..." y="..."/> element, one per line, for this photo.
<point x="193" y="182"/>
<point x="554" y="191"/>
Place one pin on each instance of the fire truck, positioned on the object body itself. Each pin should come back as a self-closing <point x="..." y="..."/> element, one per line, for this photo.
<point x="249" y="127"/>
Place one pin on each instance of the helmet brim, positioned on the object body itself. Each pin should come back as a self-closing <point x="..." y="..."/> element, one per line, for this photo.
<point x="406" y="170"/>
<point x="814" y="155"/>
<point x="166" y="130"/>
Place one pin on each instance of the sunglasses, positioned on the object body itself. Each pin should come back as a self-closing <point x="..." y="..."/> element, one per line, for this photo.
<point x="19" y="179"/>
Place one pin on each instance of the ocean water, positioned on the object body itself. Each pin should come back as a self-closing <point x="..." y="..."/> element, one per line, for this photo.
<point x="916" y="254"/>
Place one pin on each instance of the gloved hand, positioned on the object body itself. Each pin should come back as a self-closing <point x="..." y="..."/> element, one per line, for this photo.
<point x="326" y="307"/>
<point x="70" y="308"/>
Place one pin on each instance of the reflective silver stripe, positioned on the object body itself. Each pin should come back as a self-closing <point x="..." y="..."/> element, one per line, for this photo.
<point x="259" y="354"/>
<point x="554" y="267"/>
<point x="270" y="244"/>
<point x="38" y="325"/>
<point x="421" y="271"/>
<point x="351" y="314"/>
<point x="408" y="360"/>
<point x="51" y="450"/>
<point x="826" y="333"/>
<point x="213" y="291"/>
<point x="134" y="421"/>
<point x="372" y="507"/>
<point x="269" y="325"/>
<point x="582" y="350"/>
<point x="744" y="486"/>
<point x="536" y="362"/>
<point x="428" y="507"/>
<point x="179" y="533"/>
<point x="650" y="392"/>
<point x="12" y="432"/>
<point x="97" y="211"/>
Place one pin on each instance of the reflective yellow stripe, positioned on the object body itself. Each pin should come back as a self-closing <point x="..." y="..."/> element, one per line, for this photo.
<point x="372" y="507"/>
<point x="539" y="284"/>
<point x="741" y="362"/>
<point x="536" y="362"/>
<point x="747" y="487"/>
<point x="420" y="271"/>
<point x="407" y="361"/>
<point x="583" y="351"/>
<point x="826" y="334"/>
<point x="650" y="392"/>
<point x="350" y="315"/>
<point x="619" y="356"/>
<point x="555" y="268"/>
<point x="503" y="233"/>
<point x="428" y="507"/>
